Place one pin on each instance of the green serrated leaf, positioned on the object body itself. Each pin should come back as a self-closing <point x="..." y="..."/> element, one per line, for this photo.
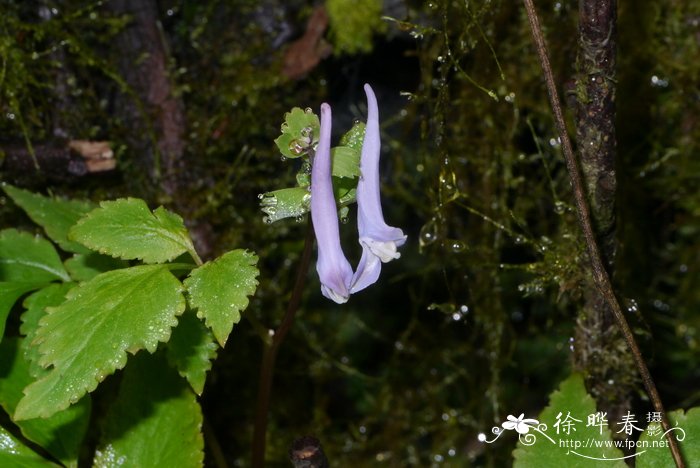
<point x="55" y="215"/>
<point x="15" y="454"/>
<point x="219" y="290"/>
<point x="570" y="399"/>
<point x="9" y="293"/>
<point x="26" y="258"/>
<point x="656" y="452"/>
<point x="85" y="267"/>
<point x="155" y="421"/>
<point x="299" y="130"/>
<point x="285" y="203"/>
<point x="87" y="337"/>
<point x="191" y="349"/>
<point x="127" y="229"/>
<point x="35" y="308"/>
<point x="61" y="434"/>
<point x="354" y="137"/>
<point x="345" y="162"/>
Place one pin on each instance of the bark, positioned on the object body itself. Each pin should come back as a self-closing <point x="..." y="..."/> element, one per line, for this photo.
<point x="600" y="350"/>
<point x="156" y="115"/>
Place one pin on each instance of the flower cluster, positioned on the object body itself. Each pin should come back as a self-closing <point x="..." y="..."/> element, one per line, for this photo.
<point x="378" y="240"/>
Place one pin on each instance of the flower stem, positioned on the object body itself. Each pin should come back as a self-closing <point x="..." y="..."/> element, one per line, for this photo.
<point x="600" y="275"/>
<point x="267" y="367"/>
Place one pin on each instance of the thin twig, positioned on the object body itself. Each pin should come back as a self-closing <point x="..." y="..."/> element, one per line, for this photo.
<point x="267" y="367"/>
<point x="600" y="275"/>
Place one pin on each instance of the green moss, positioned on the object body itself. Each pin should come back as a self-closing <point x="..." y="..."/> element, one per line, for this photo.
<point x="353" y="23"/>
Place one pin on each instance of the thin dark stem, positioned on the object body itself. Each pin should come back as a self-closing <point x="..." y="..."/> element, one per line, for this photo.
<point x="267" y="367"/>
<point x="600" y="275"/>
<point x="217" y="454"/>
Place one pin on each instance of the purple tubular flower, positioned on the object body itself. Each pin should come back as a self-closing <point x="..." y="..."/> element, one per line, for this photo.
<point x="378" y="240"/>
<point x="333" y="267"/>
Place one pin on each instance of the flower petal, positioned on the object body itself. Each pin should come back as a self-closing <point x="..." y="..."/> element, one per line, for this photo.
<point x="367" y="271"/>
<point x="333" y="267"/>
<point x="376" y="237"/>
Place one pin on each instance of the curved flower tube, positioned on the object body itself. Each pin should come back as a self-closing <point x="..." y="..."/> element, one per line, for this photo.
<point x="379" y="241"/>
<point x="332" y="266"/>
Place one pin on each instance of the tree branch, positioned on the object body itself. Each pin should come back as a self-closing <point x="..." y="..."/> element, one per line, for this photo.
<point x="600" y="275"/>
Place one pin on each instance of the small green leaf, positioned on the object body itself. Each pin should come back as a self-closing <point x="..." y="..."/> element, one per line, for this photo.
<point x="85" y="267"/>
<point x="29" y="259"/>
<point x="219" y="290"/>
<point x="657" y="453"/>
<point x="55" y="215"/>
<point x="35" y="308"/>
<point x="9" y="293"/>
<point x="15" y="454"/>
<point x="299" y="130"/>
<point x="285" y="203"/>
<point x="345" y="162"/>
<point x="354" y="137"/>
<point x="191" y="349"/>
<point x="61" y="434"/>
<point x="571" y="398"/>
<point x="127" y="229"/>
<point x="155" y="421"/>
<point x="345" y="191"/>
<point x="87" y="337"/>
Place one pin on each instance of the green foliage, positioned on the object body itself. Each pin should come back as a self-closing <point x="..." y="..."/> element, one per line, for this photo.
<point x="26" y="258"/>
<point x="125" y="310"/>
<point x="345" y="167"/>
<point x="54" y="215"/>
<point x="62" y="433"/>
<point x="191" y="349"/>
<point x="219" y="290"/>
<point x="353" y="23"/>
<point x="684" y="425"/>
<point x="386" y="380"/>
<point x="155" y="420"/>
<point x="129" y="230"/>
<point x="570" y="398"/>
<point x="77" y="329"/>
<point x="300" y="131"/>
<point x="14" y="453"/>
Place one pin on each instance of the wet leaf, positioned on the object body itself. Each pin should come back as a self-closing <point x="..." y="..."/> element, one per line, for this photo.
<point x="30" y="259"/>
<point x="219" y="290"/>
<point x="570" y="398"/>
<point x="17" y="455"/>
<point x="657" y="452"/>
<point x="156" y="420"/>
<point x="127" y="229"/>
<point x="191" y="349"/>
<point x="61" y="434"/>
<point x="299" y="130"/>
<point x="86" y="338"/>
<point x="55" y="215"/>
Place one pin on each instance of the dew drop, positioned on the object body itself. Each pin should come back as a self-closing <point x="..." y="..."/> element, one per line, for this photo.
<point x="457" y="246"/>
<point x="309" y="110"/>
<point x="296" y="147"/>
<point x="428" y="233"/>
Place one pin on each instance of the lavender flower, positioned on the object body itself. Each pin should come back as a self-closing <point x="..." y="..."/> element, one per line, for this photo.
<point x="378" y="240"/>
<point x="333" y="267"/>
